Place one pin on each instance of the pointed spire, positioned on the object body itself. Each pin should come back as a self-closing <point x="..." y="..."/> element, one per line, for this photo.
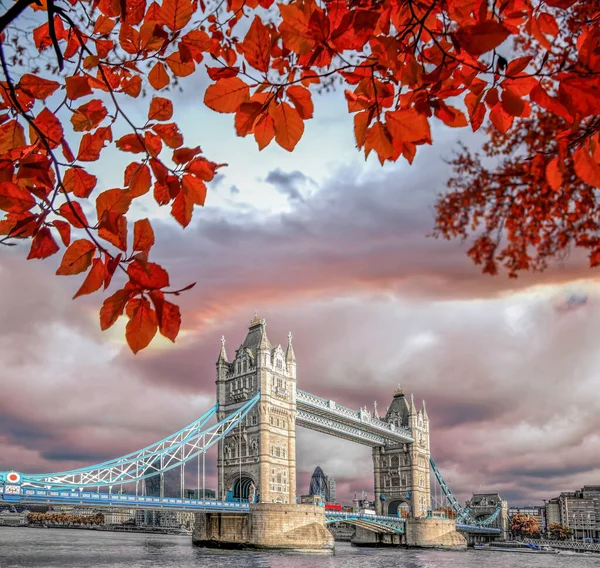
<point x="223" y="354"/>
<point x="375" y="412"/>
<point x="290" y="356"/>
<point x="264" y="342"/>
<point x="413" y="408"/>
<point x="425" y="416"/>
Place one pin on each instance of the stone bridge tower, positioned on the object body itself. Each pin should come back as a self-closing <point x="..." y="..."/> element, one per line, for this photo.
<point x="257" y="460"/>
<point x="401" y="471"/>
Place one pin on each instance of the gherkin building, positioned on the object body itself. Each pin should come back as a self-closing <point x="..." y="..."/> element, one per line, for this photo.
<point x="318" y="484"/>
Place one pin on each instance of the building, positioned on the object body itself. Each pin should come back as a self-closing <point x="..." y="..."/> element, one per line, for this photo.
<point x="535" y="511"/>
<point x="482" y="505"/>
<point x="579" y="510"/>
<point x="118" y="516"/>
<point x="200" y="494"/>
<point x="322" y="485"/>
<point x="401" y="471"/>
<point x="167" y="484"/>
<point x="164" y="519"/>
<point x="247" y="471"/>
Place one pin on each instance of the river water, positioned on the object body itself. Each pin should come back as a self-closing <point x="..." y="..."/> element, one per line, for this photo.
<point x="49" y="548"/>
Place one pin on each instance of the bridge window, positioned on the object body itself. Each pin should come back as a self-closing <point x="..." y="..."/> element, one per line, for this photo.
<point x="253" y="420"/>
<point x="395" y="461"/>
<point x="245" y="366"/>
<point x="239" y="367"/>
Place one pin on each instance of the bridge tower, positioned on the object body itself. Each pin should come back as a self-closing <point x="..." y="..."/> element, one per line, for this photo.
<point x="401" y="471"/>
<point x="257" y="460"/>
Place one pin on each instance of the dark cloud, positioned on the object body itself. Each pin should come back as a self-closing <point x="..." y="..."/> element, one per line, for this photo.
<point x="287" y="183"/>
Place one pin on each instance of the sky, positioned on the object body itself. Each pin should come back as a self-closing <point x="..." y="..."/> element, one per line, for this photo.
<point x="334" y="249"/>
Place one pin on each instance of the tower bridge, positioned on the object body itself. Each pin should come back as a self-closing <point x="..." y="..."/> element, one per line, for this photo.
<point x="253" y="426"/>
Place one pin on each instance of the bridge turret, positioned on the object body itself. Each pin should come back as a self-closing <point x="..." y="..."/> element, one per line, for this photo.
<point x="290" y="357"/>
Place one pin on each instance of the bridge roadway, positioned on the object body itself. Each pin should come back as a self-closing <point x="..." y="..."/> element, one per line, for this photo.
<point x="358" y="426"/>
<point x="30" y="495"/>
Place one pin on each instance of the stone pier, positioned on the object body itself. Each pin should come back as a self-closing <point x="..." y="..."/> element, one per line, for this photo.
<point x="419" y="533"/>
<point x="298" y="528"/>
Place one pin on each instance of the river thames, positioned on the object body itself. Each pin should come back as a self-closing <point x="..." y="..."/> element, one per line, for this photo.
<point x="48" y="548"/>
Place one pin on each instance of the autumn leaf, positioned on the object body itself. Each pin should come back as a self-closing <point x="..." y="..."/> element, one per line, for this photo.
<point x="160" y="109"/>
<point x="37" y="87"/>
<point x="94" y="279"/>
<point x="143" y="235"/>
<point x="408" y="125"/>
<point x="138" y="179"/>
<point x="50" y="127"/>
<point x="148" y="275"/>
<point x="257" y="45"/>
<point x="113" y="307"/>
<point x="64" y="230"/>
<point x="130" y="143"/>
<point x="289" y="126"/>
<point x="477" y="39"/>
<point x="226" y="95"/>
<point x="142" y="326"/>
<point x="175" y="14"/>
<point x="80" y="182"/>
<point x="554" y="175"/>
<point x="89" y="115"/>
<point x="15" y="199"/>
<point x="167" y="314"/>
<point x="77" y="258"/>
<point x="43" y="244"/>
<point x="586" y="167"/>
<point x="73" y="213"/>
<point x="12" y="136"/>
<point x="78" y="86"/>
<point x="158" y="76"/>
<point x="301" y="99"/>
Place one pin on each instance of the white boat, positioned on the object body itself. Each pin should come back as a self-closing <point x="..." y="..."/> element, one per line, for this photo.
<point x="522" y="547"/>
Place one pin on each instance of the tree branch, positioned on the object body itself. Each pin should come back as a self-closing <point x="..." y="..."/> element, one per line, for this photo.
<point x="13" y="12"/>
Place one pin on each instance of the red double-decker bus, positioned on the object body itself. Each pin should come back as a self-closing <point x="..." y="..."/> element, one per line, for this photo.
<point x="333" y="507"/>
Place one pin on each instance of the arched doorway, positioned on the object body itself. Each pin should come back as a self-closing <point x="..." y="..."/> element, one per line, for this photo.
<point x="399" y="508"/>
<point x="241" y="488"/>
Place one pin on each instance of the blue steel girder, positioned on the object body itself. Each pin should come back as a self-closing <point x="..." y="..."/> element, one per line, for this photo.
<point x="462" y="513"/>
<point x="371" y="431"/>
<point x="168" y="453"/>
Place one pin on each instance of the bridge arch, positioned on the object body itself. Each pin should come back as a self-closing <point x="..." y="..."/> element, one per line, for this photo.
<point x="398" y="505"/>
<point x="242" y="487"/>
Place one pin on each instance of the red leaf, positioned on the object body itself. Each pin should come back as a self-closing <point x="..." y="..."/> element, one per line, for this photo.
<point x="175" y="14"/>
<point x="12" y="136"/>
<point x="113" y="307"/>
<point x="130" y="143"/>
<point x="37" y="87"/>
<point x="554" y="175"/>
<point x="15" y="199"/>
<point x="138" y="179"/>
<point x="586" y="167"/>
<point x="78" y="86"/>
<point x="301" y="99"/>
<point x="92" y="144"/>
<point x="143" y="235"/>
<point x="257" y="45"/>
<point x="482" y="37"/>
<point x="77" y="258"/>
<point x="78" y="181"/>
<point x="43" y="244"/>
<point x="148" y="275"/>
<point x="226" y="95"/>
<point x="408" y="126"/>
<point x="114" y="201"/>
<point x="142" y="326"/>
<point x="50" y="127"/>
<point x="158" y="76"/>
<point x="94" y="280"/>
<point x="169" y="134"/>
<point x="160" y="109"/>
<point x="73" y="213"/>
<point x="195" y="189"/>
<point x="89" y="115"/>
<point x="64" y="230"/>
<point x="289" y="126"/>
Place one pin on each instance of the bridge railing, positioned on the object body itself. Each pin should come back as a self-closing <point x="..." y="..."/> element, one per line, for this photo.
<point x="566" y="544"/>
